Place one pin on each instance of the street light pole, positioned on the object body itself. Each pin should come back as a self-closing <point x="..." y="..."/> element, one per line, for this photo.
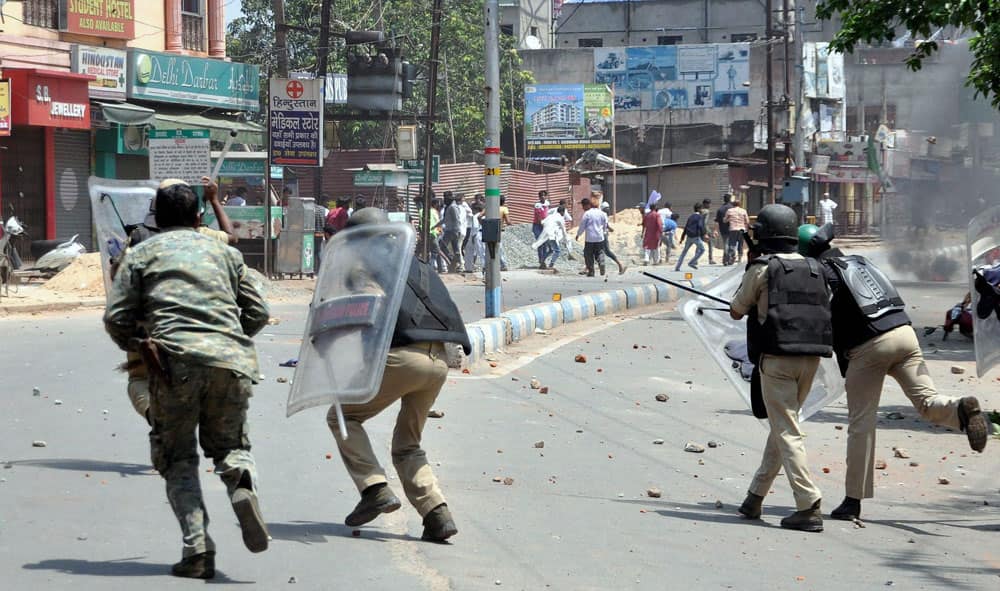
<point x="492" y="159"/>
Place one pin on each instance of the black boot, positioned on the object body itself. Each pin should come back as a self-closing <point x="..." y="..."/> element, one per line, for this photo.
<point x="849" y="510"/>
<point x="375" y="500"/>
<point x="199" y="566"/>
<point x="807" y="520"/>
<point x="438" y="524"/>
<point x="752" y="506"/>
<point x="973" y="422"/>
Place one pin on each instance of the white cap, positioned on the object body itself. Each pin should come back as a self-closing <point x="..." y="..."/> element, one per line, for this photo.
<point x="605" y="205"/>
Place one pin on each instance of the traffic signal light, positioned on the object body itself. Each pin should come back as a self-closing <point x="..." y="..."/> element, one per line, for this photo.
<point x="375" y="80"/>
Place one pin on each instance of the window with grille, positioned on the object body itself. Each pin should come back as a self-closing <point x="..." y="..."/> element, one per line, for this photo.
<point x="193" y="25"/>
<point x="590" y="42"/>
<point x="41" y="13"/>
<point x="669" y="39"/>
<point x="743" y="37"/>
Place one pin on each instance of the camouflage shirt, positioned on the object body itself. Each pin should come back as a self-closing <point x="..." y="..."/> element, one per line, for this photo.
<point x="195" y="298"/>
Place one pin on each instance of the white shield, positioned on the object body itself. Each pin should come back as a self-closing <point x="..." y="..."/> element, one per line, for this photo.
<point x="352" y="316"/>
<point x="116" y="204"/>
<point x="716" y="328"/>
<point x="983" y="243"/>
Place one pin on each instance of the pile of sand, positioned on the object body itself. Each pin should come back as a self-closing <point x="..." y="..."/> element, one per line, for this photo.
<point x="627" y="238"/>
<point x="83" y="277"/>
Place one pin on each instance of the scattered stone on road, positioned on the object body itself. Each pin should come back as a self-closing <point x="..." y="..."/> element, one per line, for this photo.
<point x="292" y="580"/>
<point x="900" y="453"/>
<point x="714" y="444"/>
<point x="435" y="414"/>
<point x="508" y="481"/>
<point x="535" y="384"/>
<point x="543" y="390"/>
<point x="539" y="444"/>
<point x="838" y="427"/>
<point x="497" y="479"/>
<point x="718" y="504"/>
<point x="36" y="391"/>
<point x="694" y="448"/>
<point x="943" y="480"/>
<point x="38" y="443"/>
<point x="580" y="358"/>
<point x="880" y="465"/>
<point x="957" y="369"/>
<point x="895" y="416"/>
<point x="58" y="402"/>
<point x="662" y="398"/>
<point x="654" y="493"/>
<point x="657" y="442"/>
<point x="914" y="464"/>
<point x="282" y="380"/>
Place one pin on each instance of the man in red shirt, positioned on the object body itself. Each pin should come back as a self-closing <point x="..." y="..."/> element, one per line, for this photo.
<point x="336" y="219"/>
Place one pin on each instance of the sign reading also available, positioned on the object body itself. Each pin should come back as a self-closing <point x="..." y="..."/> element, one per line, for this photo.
<point x="4" y="107"/>
<point x="106" y="65"/>
<point x="98" y="18"/>
<point x="180" y="154"/>
<point x="296" y="122"/>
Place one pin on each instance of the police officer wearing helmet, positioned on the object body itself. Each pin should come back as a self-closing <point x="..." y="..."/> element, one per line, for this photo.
<point x="786" y="301"/>
<point x="873" y="338"/>
<point x="415" y="371"/>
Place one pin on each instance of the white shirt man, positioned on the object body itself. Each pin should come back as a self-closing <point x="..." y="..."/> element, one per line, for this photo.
<point x="826" y="207"/>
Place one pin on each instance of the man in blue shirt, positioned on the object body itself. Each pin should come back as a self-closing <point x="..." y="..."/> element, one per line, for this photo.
<point x="594" y="225"/>
<point x="694" y="231"/>
<point x="669" y="231"/>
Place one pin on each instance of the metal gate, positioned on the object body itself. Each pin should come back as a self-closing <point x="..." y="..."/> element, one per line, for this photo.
<point x="23" y="183"/>
<point x="72" y="209"/>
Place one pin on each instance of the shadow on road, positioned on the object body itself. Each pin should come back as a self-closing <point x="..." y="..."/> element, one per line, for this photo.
<point x="125" y="567"/>
<point x="707" y="513"/>
<point x="315" y="532"/>
<point x="941" y="572"/>
<point x="123" y="469"/>
<point x="911" y="420"/>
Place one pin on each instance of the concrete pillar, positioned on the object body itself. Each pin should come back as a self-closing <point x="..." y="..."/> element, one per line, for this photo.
<point x="172" y="20"/>
<point x="216" y="29"/>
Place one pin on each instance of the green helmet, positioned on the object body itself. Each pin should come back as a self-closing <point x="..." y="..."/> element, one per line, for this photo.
<point x="806" y="232"/>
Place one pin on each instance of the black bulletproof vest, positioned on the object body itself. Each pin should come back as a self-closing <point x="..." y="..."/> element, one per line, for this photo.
<point x="852" y="326"/>
<point x="427" y="313"/>
<point x="798" y="311"/>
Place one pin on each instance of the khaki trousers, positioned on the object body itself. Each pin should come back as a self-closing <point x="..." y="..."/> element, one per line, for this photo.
<point x="413" y="375"/>
<point x="897" y="354"/>
<point x="785" y="382"/>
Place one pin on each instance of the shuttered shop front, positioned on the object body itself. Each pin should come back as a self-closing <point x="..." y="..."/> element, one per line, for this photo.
<point x="72" y="206"/>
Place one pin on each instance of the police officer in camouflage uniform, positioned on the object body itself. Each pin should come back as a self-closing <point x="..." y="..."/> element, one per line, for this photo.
<point x="200" y="310"/>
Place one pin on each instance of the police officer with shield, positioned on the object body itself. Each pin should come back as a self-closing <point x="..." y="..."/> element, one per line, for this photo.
<point x="415" y="370"/>
<point x="786" y="302"/>
<point x="872" y="338"/>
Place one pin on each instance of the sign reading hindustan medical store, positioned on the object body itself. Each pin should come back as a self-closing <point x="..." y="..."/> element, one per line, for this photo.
<point x="107" y="66"/>
<point x="171" y="78"/>
<point x="98" y="18"/>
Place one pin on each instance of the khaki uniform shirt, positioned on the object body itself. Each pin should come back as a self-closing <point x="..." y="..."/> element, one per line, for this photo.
<point x="194" y="297"/>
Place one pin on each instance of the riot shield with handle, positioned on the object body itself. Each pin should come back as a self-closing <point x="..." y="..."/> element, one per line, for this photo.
<point x="983" y="244"/>
<point x="725" y="340"/>
<point x="117" y="205"/>
<point x="352" y="317"/>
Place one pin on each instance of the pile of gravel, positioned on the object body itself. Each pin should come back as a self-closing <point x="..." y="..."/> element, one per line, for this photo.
<point x="517" y="241"/>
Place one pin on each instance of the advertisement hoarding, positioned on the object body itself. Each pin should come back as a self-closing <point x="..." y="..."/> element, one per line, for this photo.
<point x="568" y="116"/>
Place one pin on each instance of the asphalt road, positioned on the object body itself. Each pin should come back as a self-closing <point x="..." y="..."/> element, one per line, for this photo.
<point x="85" y="512"/>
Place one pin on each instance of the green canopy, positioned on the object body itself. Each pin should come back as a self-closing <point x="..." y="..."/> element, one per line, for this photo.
<point x="218" y="125"/>
<point x="126" y="114"/>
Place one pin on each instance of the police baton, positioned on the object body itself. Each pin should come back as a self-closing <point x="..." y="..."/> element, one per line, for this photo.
<point x="686" y="288"/>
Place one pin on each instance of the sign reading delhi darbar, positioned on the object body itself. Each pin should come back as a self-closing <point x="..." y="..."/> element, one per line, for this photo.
<point x="171" y="78"/>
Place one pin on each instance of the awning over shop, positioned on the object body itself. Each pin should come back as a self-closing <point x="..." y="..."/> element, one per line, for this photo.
<point x="127" y="114"/>
<point x="219" y="125"/>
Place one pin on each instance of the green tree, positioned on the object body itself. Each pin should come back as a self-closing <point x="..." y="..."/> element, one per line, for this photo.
<point x="251" y="39"/>
<point x="867" y="21"/>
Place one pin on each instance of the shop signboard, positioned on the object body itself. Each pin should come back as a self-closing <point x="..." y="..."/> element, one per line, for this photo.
<point x="415" y="169"/>
<point x="242" y="167"/>
<point x="180" y="153"/>
<point x="107" y="66"/>
<point x="296" y="122"/>
<point x="4" y="107"/>
<point x="49" y="99"/>
<point x="113" y="19"/>
<point x="568" y="116"/>
<point x="247" y="220"/>
<point x="172" y="78"/>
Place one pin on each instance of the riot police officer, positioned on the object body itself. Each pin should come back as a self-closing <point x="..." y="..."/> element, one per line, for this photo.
<point x="873" y="338"/>
<point x="787" y="304"/>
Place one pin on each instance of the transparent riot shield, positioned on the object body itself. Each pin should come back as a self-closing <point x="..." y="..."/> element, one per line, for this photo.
<point x="725" y="340"/>
<point x="983" y="244"/>
<point x="352" y="317"/>
<point x="116" y="204"/>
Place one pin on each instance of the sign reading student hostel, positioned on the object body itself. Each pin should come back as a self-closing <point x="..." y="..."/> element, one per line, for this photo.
<point x="98" y="18"/>
<point x="171" y="78"/>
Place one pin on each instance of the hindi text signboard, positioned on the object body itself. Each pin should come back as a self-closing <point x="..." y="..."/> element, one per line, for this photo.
<point x="296" y="122"/>
<point x="181" y="154"/>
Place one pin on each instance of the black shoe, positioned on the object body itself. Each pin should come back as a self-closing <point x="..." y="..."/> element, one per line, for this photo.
<point x="247" y="510"/>
<point x="375" y="500"/>
<point x="849" y="510"/>
<point x="438" y="524"/>
<point x="602" y="270"/>
<point x="752" y="506"/>
<point x="808" y="520"/>
<point x="541" y="266"/>
<point x="973" y="422"/>
<point x="199" y="566"/>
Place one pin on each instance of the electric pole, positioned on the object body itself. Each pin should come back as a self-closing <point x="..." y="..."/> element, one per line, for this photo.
<point x="432" y="76"/>
<point x="491" y="229"/>
<point x="769" y="74"/>
<point x="321" y="67"/>
<point x="280" y="37"/>
<point x="787" y="102"/>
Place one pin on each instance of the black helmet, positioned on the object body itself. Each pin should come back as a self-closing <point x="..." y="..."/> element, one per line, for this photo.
<point x="368" y="215"/>
<point x="777" y="222"/>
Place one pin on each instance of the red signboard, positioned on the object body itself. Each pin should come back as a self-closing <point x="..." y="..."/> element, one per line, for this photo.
<point x="49" y="98"/>
<point x="98" y="18"/>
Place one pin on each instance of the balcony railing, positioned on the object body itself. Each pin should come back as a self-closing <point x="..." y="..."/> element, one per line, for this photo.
<point x="193" y="32"/>
<point x="41" y="13"/>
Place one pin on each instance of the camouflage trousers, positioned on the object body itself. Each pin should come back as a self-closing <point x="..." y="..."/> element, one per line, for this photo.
<point x="214" y="402"/>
